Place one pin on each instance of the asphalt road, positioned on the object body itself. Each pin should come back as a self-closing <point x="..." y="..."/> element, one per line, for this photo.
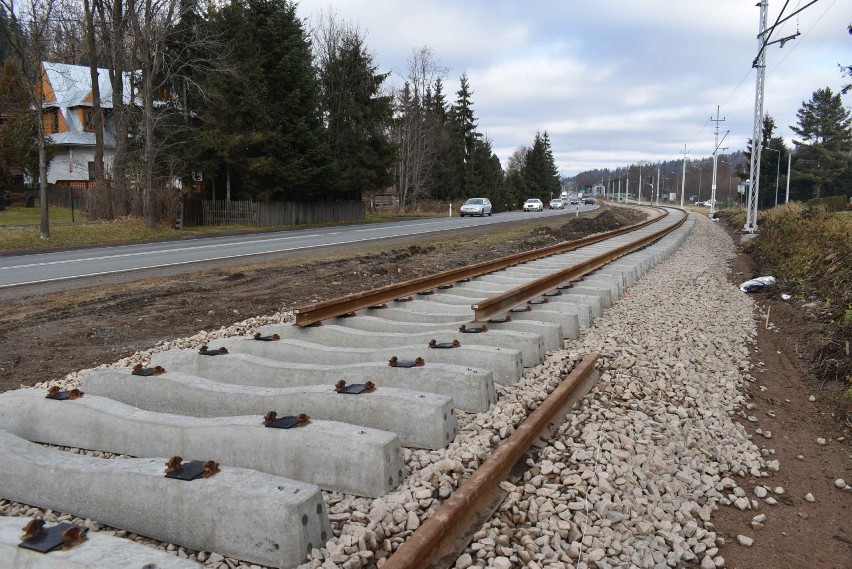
<point x="58" y="266"/>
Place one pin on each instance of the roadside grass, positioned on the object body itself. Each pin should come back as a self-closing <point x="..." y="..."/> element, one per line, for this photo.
<point x="19" y="231"/>
<point x="809" y="250"/>
<point x="18" y="215"/>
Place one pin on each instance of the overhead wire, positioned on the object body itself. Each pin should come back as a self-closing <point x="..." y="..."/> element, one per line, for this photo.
<point x="787" y="54"/>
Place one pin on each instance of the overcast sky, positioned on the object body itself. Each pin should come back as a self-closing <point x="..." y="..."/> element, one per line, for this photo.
<point x="613" y="82"/>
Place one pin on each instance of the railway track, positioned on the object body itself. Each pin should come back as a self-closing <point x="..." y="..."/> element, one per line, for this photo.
<point x="364" y="391"/>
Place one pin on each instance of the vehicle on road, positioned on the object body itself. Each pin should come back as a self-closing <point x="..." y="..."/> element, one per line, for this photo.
<point x="533" y="204"/>
<point x="589" y="200"/>
<point x="475" y="206"/>
<point x="574" y="200"/>
<point x="557" y="203"/>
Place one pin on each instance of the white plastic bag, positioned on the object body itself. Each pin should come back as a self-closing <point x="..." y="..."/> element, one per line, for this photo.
<point x="757" y="284"/>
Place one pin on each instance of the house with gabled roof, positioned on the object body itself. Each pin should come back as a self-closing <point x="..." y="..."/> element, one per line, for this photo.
<point x="68" y="122"/>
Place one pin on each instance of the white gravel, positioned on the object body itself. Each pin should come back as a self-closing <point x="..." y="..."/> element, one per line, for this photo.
<point x="657" y="446"/>
<point x="633" y="475"/>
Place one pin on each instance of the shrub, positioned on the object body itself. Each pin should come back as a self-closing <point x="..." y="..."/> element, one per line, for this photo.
<point x="831" y="203"/>
<point x="809" y="250"/>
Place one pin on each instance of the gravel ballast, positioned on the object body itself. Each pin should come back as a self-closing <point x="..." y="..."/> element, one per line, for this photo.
<point x="634" y="474"/>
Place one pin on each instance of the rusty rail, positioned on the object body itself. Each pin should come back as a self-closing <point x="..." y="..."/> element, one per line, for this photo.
<point x="435" y="538"/>
<point x="499" y="304"/>
<point x="317" y="312"/>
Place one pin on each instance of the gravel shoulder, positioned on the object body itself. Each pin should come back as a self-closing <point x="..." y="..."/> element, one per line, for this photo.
<point x="647" y="470"/>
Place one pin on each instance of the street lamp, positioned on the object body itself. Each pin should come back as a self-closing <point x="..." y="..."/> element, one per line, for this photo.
<point x="777" y="173"/>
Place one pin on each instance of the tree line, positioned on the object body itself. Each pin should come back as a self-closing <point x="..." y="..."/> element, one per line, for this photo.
<point x="243" y="99"/>
<point x="821" y="162"/>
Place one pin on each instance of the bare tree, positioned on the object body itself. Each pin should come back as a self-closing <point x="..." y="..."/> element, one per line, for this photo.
<point x="517" y="159"/>
<point x="66" y="38"/>
<point x="150" y="21"/>
<point x="113" y="23"/>
<point x="103" y="201"/>
<point x="416" y="130"/>
<point x="28" y="33"/>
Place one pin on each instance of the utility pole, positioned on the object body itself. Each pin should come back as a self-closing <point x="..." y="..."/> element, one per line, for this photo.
<point x="759" y="63"/>
<point x="716" y="144"/>
<point x="639" y="193"/>
<point x="658" y="184"/>
<point x="618" y="198"/>
<point x="757" y="136"/>
<point x="789" y="163"/>
<point x="683" y="183"/>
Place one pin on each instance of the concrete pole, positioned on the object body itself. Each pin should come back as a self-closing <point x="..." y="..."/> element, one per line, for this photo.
<point x="683" y="183"/>
<point x="658" y="185"/>
<point x="789" y="163"/>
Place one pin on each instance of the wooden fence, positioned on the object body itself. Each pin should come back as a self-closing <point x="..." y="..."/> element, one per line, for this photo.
<point x="272" y="214"/>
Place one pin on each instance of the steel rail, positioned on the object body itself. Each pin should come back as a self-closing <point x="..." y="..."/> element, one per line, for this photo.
<point x="435" y="538"/>
<point x="317" y="312"/>
<point x="502" y="303"/>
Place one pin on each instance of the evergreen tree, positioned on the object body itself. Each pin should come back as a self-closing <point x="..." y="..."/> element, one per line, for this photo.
<point x="556" y="183"/>
<point x="484" y="173"/>
<point x="264" y="127"/>
<point x="825" y="128"/>
<point x="356" y="114"/>
<point x="439" y="101"/>
<point x="463" y="117"/>
<point x="18" y="135"/>
<point x="448" y="174"/>
<point x="541" y="178"/>
<point x="769" y="164"/>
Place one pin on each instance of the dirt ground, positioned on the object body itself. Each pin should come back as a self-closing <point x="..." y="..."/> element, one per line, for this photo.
<point x="796" y="533"/>
<point x="46" y="334"/>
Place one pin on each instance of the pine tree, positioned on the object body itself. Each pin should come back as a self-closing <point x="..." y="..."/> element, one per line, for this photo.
<point x="556" y="185"/>
<point x="18" y="135"/>
<point x="448" y="174"/>
<point x="356" y="114"/>
<point x="265" y="126"/>
<point x="462" y="113"/>
<point x="825" y="128"/>
<point x="539" y="172"/>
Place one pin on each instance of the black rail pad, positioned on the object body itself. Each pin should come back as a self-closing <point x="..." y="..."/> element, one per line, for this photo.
<point x="50" y="539"/>
<point x="354" y="389"/>
<point x="287" y="422"/>
<point x="60" y="396"/>
<point x="187" y="471"/>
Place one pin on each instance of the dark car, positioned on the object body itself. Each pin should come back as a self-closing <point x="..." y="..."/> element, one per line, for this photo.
<point x="589" y="200"/>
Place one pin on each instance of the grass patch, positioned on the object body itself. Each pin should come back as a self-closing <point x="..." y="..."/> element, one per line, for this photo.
<point x="809" y="250"/>
<point x="18" y="215"/>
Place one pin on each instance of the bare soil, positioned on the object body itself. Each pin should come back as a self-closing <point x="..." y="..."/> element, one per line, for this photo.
<point x="796" y="533"/>
<point x="45" y="334"/>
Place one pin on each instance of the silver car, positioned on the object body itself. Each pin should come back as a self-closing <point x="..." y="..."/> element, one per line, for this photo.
<point x="557" y="203"/>
<point x="476" y="206"/>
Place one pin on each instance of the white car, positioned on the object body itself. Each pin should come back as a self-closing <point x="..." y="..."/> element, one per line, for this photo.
<point x="533" y="204"/>
<point x="557" y="203"/>
<point x="476" y="206"/>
